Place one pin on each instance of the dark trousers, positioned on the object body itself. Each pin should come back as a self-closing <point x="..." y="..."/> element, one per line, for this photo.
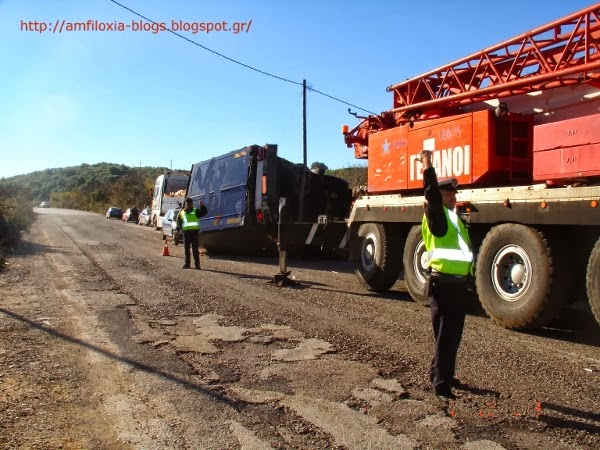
<point x="190" y="242"/>
<point x="448" y="303"/>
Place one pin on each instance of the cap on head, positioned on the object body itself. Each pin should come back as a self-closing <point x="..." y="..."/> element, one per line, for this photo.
<point x="449" y="184"/>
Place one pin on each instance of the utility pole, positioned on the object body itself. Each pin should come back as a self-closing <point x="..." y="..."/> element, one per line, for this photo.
<point x="304" y="122"/>
<point x="303" y="176"/>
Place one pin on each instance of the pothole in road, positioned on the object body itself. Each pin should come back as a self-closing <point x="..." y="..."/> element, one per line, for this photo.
<point x="276" y="365"/>
<point x="102" y="285"/>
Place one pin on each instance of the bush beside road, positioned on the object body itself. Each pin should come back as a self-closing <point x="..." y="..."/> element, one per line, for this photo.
<point x="16" y="215"/>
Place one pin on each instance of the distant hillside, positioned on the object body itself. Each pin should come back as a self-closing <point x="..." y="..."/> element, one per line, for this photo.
<point x="91" y="187"/>
<point x="98" y="186"/>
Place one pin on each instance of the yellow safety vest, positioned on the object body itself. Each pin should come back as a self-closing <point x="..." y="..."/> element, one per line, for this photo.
<point x="450" y="254"/>
<point x="190" y="221"/>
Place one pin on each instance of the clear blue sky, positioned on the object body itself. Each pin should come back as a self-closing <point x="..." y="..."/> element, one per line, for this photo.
<point x="139" y="98"/>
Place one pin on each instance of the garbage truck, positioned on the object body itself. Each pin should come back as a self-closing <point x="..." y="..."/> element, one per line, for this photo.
<point x="242" y="190"/>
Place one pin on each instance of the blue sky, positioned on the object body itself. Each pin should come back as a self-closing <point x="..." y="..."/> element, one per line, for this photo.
<point x="153" y="99"/>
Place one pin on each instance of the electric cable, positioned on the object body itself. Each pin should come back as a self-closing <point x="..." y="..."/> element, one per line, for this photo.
<point x="235" y="61"/>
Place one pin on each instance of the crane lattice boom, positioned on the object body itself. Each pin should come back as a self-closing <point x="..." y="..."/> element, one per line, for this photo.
<point x="561" y="53"/>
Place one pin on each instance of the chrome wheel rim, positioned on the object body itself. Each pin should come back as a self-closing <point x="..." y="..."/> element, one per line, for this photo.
<point x="511" y="273"/>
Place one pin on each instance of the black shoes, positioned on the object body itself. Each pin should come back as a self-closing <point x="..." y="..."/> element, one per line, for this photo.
<point x="197" y="267"/>
<point x="447" y="398"/>
<point x="457" y="384"/>
<point x="185" y="266"/>
<point x="445" y="395"/>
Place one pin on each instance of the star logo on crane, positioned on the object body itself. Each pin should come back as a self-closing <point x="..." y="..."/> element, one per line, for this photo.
<point x="386" y="147"/>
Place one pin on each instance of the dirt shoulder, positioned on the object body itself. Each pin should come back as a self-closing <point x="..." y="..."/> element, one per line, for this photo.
<point x="104" y="344"/>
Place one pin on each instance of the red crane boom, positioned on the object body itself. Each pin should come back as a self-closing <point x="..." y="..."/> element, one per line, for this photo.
<point x="565" y="52"/>
<point x="561" y="53"/>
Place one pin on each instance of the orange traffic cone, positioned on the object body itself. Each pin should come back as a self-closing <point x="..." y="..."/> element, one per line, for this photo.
<point x="165" y="251"/>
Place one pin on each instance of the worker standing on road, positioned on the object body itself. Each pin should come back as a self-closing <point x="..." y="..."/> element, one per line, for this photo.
<point x="188" y="222"/>
<point x="135" y="215"/>
<point x="451" y="266"/>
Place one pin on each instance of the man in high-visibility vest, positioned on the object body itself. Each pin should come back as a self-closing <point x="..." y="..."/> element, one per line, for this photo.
<point x="451" y="266"/>
<point x="188" y="221"/>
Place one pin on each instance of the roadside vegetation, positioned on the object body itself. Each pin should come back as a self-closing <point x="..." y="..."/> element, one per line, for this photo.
<point x="91" y="187"/>
<point x="356" y="176"/>
<point x="16" y="215"/>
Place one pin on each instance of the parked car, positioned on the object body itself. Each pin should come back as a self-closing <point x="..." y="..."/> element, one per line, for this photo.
<point x="146" y="217"/>
<point x="169" y="226"/>
<point x="131" y="215"/>
<point x="115" y="212"/>
<point x="44" y="205"/>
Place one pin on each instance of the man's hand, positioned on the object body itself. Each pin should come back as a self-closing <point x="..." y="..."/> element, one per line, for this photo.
<point x="425" y="157"/>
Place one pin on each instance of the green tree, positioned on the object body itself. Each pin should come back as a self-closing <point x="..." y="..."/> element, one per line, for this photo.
<point x="319" y="167"/>
<point x="132" y="190"/>
<point x="356" y="176"/>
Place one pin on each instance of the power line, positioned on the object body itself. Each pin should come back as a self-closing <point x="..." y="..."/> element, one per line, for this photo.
<point x="338" y="100"/>
<point x="235" y="61"/>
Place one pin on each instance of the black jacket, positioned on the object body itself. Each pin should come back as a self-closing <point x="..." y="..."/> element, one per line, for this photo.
<point x="434" y="210"/>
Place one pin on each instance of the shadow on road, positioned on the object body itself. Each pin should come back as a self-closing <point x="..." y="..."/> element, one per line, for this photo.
<point x="576" y="324"/>
<point x="31" y="248"/>
<point x="476" y="391"/>
<point x="235" y="404"/>
<point x="547" y="408"/>
<point x="307" y="263"/>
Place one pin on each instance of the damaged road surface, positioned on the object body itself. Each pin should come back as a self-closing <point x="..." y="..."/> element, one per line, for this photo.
<point x="106" y="344"/>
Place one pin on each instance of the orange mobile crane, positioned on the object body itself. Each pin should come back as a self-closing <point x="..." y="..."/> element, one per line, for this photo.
<point x="518" y="124"/>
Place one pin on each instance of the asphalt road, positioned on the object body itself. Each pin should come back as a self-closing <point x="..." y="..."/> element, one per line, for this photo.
<point x="107" y="344"/>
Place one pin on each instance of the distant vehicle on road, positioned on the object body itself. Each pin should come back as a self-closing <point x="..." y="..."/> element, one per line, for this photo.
<point x="44" y="205"/>
<point x="115" y="212"/>
<point x="169" y="226"/>
<point x="131" y="215"/>
<point x="169" y="193"/>
<point x="146" y="217"/>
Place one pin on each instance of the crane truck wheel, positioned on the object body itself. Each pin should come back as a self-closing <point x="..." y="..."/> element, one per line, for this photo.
<point x="593" y="280"/>
<point x="415" y="265"/>
<point x="378" y="266"/>
<point x="516" y="283"/>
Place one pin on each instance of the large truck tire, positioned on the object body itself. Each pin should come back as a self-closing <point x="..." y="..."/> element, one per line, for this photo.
<point x="517" y="283"/>
<point x="593" y="281"/>
<point x="415" y="259"/>
<point x="378" y="264"/>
